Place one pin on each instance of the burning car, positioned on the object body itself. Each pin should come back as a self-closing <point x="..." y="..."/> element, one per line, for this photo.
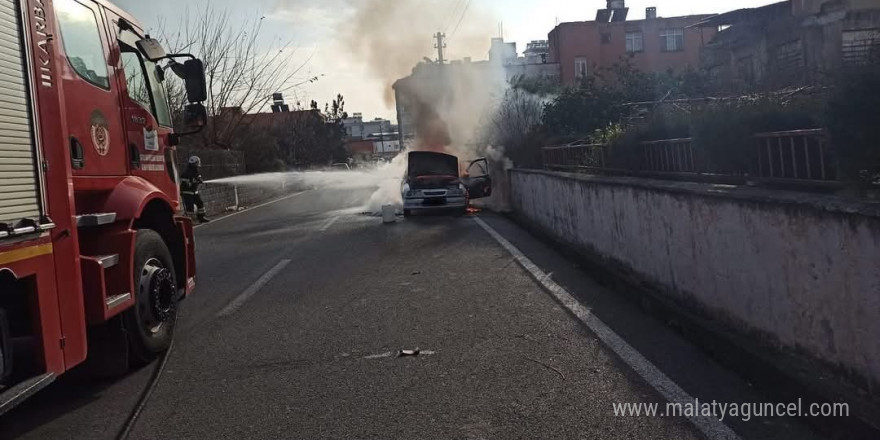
<point x="433" y="181"/>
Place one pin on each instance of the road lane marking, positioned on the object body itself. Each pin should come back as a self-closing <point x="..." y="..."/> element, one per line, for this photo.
<point x="328" y="224"/>
<point x="220" y="219"/>
<point x="253" y="289"/>
<point x="711" y="427"/>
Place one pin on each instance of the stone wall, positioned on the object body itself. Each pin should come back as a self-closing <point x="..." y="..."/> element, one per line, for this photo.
<point x="801" y="269"/>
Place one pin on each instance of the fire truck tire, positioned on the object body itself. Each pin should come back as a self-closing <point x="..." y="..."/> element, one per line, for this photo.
<point x="150" y="322"/>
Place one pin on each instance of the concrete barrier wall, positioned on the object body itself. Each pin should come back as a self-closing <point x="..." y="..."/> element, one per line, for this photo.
<point x="802" y="269"/>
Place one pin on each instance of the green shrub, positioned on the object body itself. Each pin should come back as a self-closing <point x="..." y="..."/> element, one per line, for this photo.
<point x="725" y="131"/>
<point x="625" y="148"/>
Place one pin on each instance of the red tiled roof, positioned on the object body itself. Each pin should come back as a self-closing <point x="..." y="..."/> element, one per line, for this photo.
<point x="267" y="120"/>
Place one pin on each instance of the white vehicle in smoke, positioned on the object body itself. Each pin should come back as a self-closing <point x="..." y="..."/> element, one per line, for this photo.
<point x="433" y="181"/>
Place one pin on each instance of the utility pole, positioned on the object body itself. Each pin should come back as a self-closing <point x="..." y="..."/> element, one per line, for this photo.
<point x="440" y="45"/>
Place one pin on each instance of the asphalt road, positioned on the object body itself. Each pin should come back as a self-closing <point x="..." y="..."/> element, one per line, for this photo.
<point x="302" y="306"/>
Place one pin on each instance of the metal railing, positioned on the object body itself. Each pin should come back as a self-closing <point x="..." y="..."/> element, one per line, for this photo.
<point x="798" y="157"/>
<point x="794" y="155"/>
<point x="672" y="156"/>
<point x="575" y="156"/>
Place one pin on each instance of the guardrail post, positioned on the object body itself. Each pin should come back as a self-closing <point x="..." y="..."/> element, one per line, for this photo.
<point x="235" y="193"/>
<point x="807" y="156"/>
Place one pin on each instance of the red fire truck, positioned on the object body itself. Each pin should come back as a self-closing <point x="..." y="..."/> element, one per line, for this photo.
<point x="94" y="256"/>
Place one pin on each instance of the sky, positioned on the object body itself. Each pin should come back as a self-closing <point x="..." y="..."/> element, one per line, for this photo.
<point x="326" y="34"/>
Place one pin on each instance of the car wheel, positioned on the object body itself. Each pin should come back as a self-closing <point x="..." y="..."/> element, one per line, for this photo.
<point x="407" y="213"/>
<point x="150" y="323"/>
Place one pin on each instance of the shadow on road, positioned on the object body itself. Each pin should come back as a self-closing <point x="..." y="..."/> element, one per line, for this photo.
<point x="51" y="411"/>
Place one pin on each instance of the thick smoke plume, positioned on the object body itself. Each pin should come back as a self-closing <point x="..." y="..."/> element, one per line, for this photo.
<point x="449" y="104"/>
<point x="390" y="37"/>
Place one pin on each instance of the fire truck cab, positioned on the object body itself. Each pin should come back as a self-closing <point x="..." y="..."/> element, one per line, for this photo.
<point x="94" y="256"/>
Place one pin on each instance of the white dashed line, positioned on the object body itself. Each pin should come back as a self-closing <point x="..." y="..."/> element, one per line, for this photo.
<point x="253" y="289"/>
<point x="220" y="219"/>
<point x="711" y="427"/>
<point x="329" y="224"/>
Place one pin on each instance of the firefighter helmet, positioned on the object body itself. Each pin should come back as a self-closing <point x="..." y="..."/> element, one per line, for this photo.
<point x="195" y="161"/>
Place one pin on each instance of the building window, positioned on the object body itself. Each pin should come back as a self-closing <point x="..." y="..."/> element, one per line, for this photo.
<point x="672" y="40"/>
<point x="82" y="41"/>
<point x="788" y="58"/>
<point x="745" y="69"/>
<point x="606" y="38"/>
<point x="860" y="47"/>
<point x="580" y="68"/>
<point x="634" y="42"/>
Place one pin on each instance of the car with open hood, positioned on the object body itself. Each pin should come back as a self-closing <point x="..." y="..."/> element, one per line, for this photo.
<point x="434" y="181"/>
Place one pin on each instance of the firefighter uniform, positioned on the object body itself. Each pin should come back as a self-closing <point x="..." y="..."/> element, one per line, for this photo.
<point x="190" y="180"/>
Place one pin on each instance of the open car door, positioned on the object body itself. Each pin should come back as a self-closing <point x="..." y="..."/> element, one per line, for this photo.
<point x="477" y="181"/>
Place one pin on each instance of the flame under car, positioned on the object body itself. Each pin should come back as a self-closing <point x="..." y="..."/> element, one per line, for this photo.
<point x="434" y="181"/>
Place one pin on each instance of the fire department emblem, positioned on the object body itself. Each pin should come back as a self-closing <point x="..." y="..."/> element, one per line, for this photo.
<point x="100" y="133"/>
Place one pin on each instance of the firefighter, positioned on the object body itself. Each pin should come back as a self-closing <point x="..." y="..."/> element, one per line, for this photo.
<point x="189" y="189"/>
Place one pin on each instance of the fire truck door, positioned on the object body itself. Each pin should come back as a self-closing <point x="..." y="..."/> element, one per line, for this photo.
<point x="146" y="114"/>
<point x="97" y="144"/>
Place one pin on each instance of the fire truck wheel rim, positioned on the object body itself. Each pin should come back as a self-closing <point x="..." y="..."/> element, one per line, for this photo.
<point x="158" y="283"/>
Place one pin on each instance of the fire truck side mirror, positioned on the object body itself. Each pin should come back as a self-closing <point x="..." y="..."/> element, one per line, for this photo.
<point x="195" y="115"/>
<point x="194" y="76"/>
<point x="152" y="49"/>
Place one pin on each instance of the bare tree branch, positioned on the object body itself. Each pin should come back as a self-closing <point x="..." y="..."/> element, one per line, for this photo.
<point x="242" y="72"/>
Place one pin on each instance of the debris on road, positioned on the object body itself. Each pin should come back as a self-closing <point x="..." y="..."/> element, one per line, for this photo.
<point x="549" y="367"/>
<point x="401" y="353"/>
<point x="404" y="353"/>
<point x="416" y="272"/>
<point x="389" y="214"/>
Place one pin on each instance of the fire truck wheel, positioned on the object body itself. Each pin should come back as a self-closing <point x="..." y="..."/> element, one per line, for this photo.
<point x="150" y="323"/>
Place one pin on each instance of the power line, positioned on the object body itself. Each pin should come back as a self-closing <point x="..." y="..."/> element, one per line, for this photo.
<point x="463" y="14"/>
<point x="451" y="16"/>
